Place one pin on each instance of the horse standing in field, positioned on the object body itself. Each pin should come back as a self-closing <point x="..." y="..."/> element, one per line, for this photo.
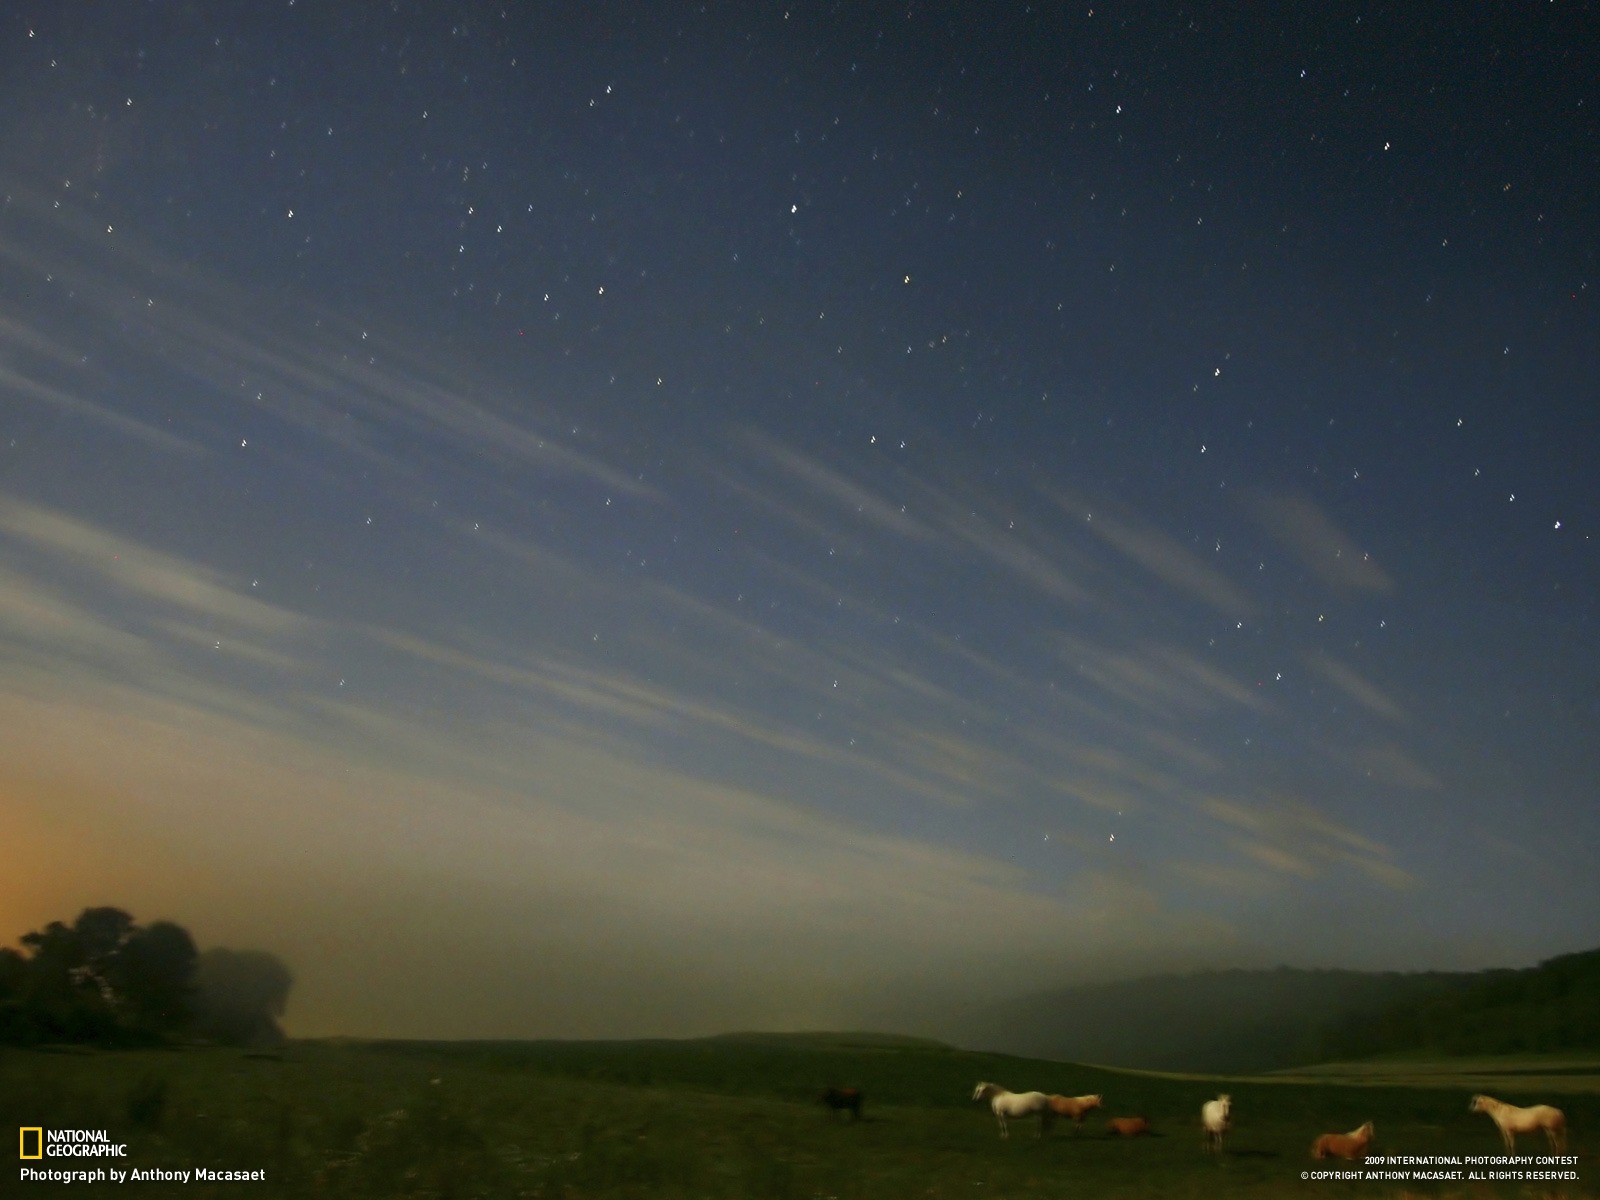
<point x="1127" y="1126"/>
<point x="843" y="1100"/>
<point x="1513" y="1120"/>
<point x="1014" y="1104"/>
<point x="1214" y="1118"/>
<point x="1352" y="1145"/>
<point x="1073" y="1107"/>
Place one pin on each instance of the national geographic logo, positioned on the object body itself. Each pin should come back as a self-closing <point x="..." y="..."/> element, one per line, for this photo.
<point x="38" y="1143"/>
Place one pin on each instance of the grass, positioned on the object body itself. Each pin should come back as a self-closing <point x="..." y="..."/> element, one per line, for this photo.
<point x="724" y="1117"/>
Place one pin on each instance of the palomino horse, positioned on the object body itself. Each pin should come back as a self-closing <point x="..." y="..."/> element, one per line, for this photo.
<point x="1127" y="1126"/>
<point x="1014" y="1104"/>
<point x="843" y="1100"/>
<point x="1352" y="1145"/>
<point x="1214" y="1121"/>
<point x="1073" y="1107"/>
<point x="1513" y="1120"/>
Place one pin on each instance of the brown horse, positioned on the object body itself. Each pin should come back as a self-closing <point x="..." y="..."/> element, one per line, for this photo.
<point x="1127" y="1126"/>
<point x="1352" y="1145"/>
<point x="843" y="1100"/>
<point x="1073" y="1107"/>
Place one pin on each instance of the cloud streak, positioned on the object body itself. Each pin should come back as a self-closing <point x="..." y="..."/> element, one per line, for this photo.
<point x="1302" y="527"/>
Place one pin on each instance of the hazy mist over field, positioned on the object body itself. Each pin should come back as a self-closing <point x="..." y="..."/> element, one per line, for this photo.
<point x="594" y="519"/>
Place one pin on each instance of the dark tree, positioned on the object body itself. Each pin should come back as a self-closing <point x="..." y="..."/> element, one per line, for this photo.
<point x="239" y="996"/>
<point x="101" y="979"/>
<point x="13" y="975"/>
<point x="13" y="981"/>
<point x="152" y="977"/>
<point x="66" y="995"/>
<point x="106" y="979"/>
<point x="101" y="932"/>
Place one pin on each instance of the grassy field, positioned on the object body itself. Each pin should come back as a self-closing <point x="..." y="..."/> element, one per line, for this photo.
<point x="731" y="1117"/>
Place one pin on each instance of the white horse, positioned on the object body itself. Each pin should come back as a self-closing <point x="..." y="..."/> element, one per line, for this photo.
<point x="1513" y="1120"/>
<point x="1014" y="1104"/>
<point x="1214" y="1121"/>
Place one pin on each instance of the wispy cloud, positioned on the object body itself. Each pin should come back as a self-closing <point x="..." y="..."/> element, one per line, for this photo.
<point x="1160" y="679"/>
<point x="1032" y="556"/>
<point x="1393" y="765"/>
<point x="20" y="385"/>
<point x="1351" y="683"/>
<point x="842" y="492"/>
<point x="42" y="625"/>
<point x="152" y="575"/>
<point x="1293" y="837"/>
<point x="328" y="377"/>
<point x="1158" y="553"/>
<point x="1331" y="554"/>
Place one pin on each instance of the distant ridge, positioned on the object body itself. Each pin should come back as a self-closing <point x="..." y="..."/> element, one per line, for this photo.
<point x="1243" y="1021"/>
<point x="823" y="1038"/>
<point x="1208" y="1022"/>
<point x="1554" y="1006"/>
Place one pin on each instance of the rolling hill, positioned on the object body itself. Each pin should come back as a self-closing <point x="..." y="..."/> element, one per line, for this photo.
<point x="1245" y="1021"/>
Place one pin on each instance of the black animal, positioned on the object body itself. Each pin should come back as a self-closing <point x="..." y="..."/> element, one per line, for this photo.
<point x="843" y="1100"/>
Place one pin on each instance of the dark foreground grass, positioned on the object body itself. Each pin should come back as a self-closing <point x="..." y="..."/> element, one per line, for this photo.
<point x="730" y="1117"/>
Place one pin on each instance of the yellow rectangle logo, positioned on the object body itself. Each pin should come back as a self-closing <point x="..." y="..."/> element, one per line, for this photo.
<point x="37" y="1141"/>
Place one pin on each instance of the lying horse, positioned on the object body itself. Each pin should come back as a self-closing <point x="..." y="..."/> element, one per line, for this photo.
<point x="1352" y="1145"/>
<point x="843" y="1100"/>
<point x="1214" y="1117"/>
<point x="1014" y="1104"/>
<point x="1127" y="1126"/>
<point x="1513" y="1120"/>
<point x="1073" y="1107"/>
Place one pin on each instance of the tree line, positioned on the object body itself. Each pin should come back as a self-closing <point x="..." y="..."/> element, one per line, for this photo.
<point x="106" y="980"/>
<point x="1549" y="1008"/>
<point x="1227" y="1022"/>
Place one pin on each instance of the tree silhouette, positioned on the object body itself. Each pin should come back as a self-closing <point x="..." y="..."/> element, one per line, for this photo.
<point x="13" y="980"/>
<point x="240" y="994"/>
<point x="101" y="979"/>
<point x="66" y="994"/>
<point x="106" y="979"/>
<point x="152" y="977"/>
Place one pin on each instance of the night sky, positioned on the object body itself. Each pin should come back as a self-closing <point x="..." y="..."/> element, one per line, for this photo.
<point x="606" y="518"/>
